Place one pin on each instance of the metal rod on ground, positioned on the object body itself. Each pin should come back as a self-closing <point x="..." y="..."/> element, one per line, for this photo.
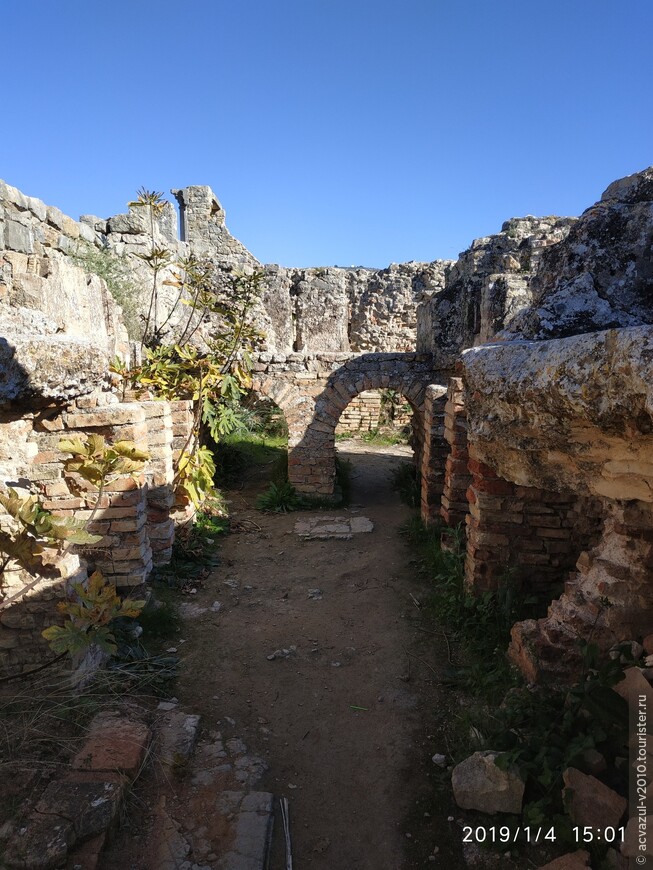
<point x="285" y="815"/>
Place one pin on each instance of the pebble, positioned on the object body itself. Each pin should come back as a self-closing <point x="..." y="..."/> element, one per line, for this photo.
<point x="335" y="664"/>
<point x="440" y="760"/>
<point x="281" y="653"/>
<point x="315" y="594"/>
<point x="215" y="607"/>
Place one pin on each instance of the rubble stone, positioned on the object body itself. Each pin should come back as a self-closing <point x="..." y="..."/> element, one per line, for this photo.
<point x="478" y="784"/>
<point x="591" y="803"/>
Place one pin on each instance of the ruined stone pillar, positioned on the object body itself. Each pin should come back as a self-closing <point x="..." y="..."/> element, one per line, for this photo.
<point x="454" y="505"/>
<point x="182" y="417"/>
<point x="433" y="453"/>
<point x="160" y="474"/>
<point x="123" y="554"/>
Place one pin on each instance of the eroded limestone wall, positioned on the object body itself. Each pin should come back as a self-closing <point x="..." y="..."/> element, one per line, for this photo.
<point x="557" y="432"/>
<point x="60" y="330"/>
<point x="486" y="287"/>
<point x="572" y="417"/>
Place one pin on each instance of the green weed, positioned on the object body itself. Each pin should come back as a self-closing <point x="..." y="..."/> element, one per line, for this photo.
<point x="280" y="498"/>
<point x="385" y="437"/>
<point x="541" y="730"/>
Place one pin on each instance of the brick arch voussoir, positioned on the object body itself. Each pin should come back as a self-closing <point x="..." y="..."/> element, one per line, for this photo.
<point x="283" y="394"/>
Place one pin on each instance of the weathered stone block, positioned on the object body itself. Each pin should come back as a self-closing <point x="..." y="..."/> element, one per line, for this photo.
<point x="478" y="784"/>
<point x="18" y="237"/>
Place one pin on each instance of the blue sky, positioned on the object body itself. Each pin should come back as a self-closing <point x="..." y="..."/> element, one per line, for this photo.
<point x="333" y="131"/>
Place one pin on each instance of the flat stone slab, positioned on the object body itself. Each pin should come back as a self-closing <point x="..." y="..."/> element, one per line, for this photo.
<point x="114" y="743"/>
<point x="253" y="830"/>
<point x="322" y="527"/>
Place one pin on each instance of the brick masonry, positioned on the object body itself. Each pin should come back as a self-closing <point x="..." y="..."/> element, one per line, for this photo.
<point x="433" y="454"/>
<point x="363" y="413"/>
<point x="313" y="391"/>
<point x="136" y="516"/>
<point x="454" y="505"/>
<point x="606" y="599"/>
<point x="530" y="534"/>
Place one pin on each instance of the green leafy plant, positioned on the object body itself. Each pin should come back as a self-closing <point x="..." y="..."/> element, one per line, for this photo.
<point x="393" y="407"/>
<point x="194" y="549"/>
<point x="195" y="474"/>
<point x="89" y="616"/>
<point x="98" y="462"/>
<point x="212" y="372"/>
<point x="546" y="729"/>
<point x="157" y="258"/>
<point x="280" y="498"/>
<point x="35" y="530"/>
<point x="383" y="437"/>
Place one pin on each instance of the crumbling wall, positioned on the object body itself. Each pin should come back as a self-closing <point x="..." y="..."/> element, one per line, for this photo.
<point x="60" y="330"/>
<point x="573" y="417"/>
<point x="433" y="453"/>
<point x="341" y="310"/>
<point x="554" y="436"/>
<point x="135" y="515"/>
<point x="362" y="414"/>
<point x="486" y="287"/>
<point x="330" y="309"/>
<point x="457" y="477"/>
<point x="602" y="276"/>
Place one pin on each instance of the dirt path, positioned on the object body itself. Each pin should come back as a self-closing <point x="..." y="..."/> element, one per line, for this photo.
<point x="346" y="720"/>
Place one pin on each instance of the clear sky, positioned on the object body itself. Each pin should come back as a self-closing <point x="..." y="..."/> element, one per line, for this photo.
<point x="333" y="131"/>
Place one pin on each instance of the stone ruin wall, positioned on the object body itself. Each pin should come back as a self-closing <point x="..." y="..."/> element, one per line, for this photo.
<point x="60" y="330"/>
<point x="313" y="391"/>
<point x="318" y="310"/>
<point x="546" y="459"/>
<point x="549" y="428"/>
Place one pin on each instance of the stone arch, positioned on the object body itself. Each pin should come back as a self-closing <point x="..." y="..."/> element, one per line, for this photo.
<point x="312" y="459"/>
<point x="290" y="399"/>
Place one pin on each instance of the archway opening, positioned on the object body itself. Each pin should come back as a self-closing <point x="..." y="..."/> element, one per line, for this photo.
<point x="256" y="450"/>
<point x="375" y="439"/>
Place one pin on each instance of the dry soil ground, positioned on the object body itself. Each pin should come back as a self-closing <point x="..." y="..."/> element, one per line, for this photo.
<point x="348" y="721"/>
